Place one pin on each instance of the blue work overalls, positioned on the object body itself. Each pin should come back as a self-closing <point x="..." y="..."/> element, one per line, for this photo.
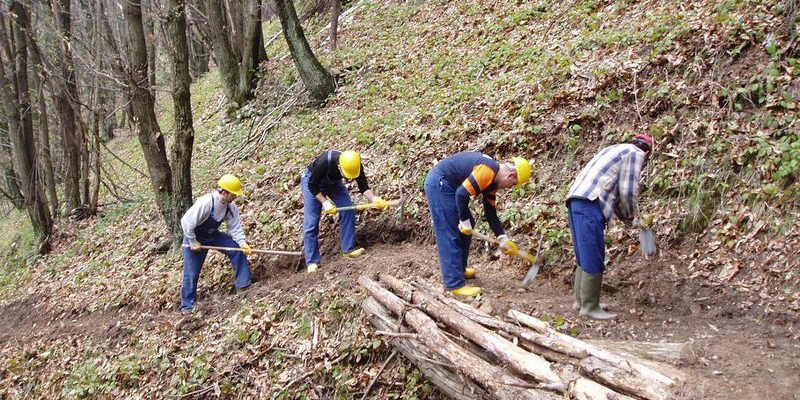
<point x="208" y="234"/>
<point x="311" y="214"/>
<point x="453" y="245"/>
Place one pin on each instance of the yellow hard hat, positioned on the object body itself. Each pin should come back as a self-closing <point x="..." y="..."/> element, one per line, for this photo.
<point x="350" y="162"/>
<point x="231" y="184"/>
<point x="523" y="168"/>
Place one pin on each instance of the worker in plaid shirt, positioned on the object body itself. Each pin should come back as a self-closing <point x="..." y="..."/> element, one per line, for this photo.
<point x="607" y="186"/>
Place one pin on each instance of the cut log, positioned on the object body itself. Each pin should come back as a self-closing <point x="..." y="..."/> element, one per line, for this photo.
<point x="622" y="379"/>
<point x="642" y="380"/>
<point x="672" y="353"/>
<point x="497" y="382"/>
<point x="484" y="319"/>
<point x="520" y="360"/>
<point x="445" y="377"/>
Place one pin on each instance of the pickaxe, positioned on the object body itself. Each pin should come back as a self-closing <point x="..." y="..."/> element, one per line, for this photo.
<point x="278" y="252"/>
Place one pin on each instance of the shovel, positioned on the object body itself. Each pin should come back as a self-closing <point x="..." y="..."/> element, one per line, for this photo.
<point x="647" y="240"/>
<point x="278" y="252"/>
<point x="521" y="254"/>
<point x="531" y="275"/>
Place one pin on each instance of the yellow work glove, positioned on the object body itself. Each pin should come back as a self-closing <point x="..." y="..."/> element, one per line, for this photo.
<point x="194" y="245"/>
<point x="246" y="249"/>
<point x="329" y="208"/>
<point x="465" y="227"/>
<point x="380" y="203"/>
<point x="507" y="246"/>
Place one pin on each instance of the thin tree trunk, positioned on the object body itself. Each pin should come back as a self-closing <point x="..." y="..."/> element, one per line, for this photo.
<point x="317" y="80"/>
<point x="38" y="80"/>
<point x="20" y="123"/>
<point x="181" y="97"/>
<point x="143" y="102"/>
<point x="67" y="89"/>
<point x="336" y="9"/>
<point x="223" y="53"/>
<point x="250" y="52"/>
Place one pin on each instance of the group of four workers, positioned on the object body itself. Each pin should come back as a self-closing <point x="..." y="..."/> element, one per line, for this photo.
<point x="607" y="186"/>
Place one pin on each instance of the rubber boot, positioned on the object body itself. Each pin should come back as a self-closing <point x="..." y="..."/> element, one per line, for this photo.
<point x="469" y="273"/>
<point x="576" y="286"/>
<point x="312" y="268"/>
<point x="579" y="274"/>
<point x="590" y="297"/>
<point x="467" y="291"/>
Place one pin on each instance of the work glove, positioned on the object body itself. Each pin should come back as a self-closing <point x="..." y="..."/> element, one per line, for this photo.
<point x="507" y="246"/>
<point x="380" y="203"/>
<point x="194" y="245"/>
<point x="465" y="227"/>
<point x="329" y="208"/>
<point x="246" y="249"/>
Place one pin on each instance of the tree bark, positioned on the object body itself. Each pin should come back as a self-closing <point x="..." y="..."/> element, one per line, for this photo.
<point x="68" y="90"/>
<point x="46" y="159"/>
<point x="142" y="101"/>
<point x="199" y="46"/>
<point x="181" y="97"/>
<point x="336" y="9"/>
<point x="498" y="382"/>
<point x="317" y="80"/>
<point x="445" y="378"/>
<point x="521" y="361"/>
<point x="223" y="53"/>
<point x="253" y="38"/>
<point x="16" y="101"/>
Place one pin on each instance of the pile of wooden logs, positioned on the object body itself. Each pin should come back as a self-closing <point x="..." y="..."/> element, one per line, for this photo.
<point x="469" y="354"/>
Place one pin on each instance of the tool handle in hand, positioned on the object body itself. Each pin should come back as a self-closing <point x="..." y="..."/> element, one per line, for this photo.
<point x="520" y="253"/>
<point x="279" y="252"/>
<point x="366" y="206"/>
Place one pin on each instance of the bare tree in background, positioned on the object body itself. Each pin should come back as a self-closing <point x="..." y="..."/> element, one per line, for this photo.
<point x="143" y="102"/>
<point x="336" y="9"/>
<point x="16" y="102"/>
<point x="317" y="80"/>
<point x="237" y="65"/>
<point x="181" y="97"/>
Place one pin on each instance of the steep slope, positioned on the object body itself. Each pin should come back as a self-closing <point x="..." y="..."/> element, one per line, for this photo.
<point x="714" y="81"/>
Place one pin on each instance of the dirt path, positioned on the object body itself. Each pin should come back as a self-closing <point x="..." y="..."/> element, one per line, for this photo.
<point x="737" y="355"/>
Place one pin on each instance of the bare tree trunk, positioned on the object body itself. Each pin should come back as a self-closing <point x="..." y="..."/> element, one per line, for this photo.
<point x="46" y="166"/>
<point x="336" y="9"/>
<point x="235" y="15"/>
<point x="151" y="42"/>
<point x="20" y="123"/>
<point x="11" y="190"/>
<point x="317" y="80"/>
<point x="199" y="46"/>
<point x="143" y="102"/>
<point x="67" y="89"/>
<point x="223" y="53"/>
<point x="181" y="97"/>
<point x="253" y="38"/>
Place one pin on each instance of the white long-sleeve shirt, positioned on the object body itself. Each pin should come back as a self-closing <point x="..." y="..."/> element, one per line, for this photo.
<point x="200" y="211"/>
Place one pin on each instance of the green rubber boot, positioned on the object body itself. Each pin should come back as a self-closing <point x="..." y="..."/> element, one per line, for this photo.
<point x="577" y="287"/>
<point x="590" y="297"/>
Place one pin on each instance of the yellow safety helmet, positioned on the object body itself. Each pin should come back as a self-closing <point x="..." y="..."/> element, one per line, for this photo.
<point x="523" y="168"/>
<point x="231" y="184"/>
<point x="350" y="162"/>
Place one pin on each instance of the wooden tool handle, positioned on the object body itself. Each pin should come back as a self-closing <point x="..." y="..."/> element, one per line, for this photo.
<point x="279" y="252"/>
<point x="520" y="253"/>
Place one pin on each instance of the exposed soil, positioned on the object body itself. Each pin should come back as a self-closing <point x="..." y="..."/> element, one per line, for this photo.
<point x="737" y="353"/>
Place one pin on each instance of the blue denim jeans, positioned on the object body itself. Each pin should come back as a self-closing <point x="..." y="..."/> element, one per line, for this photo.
<point x="587" y="224"/>
<point x="193" y="261"/>
<point x="453" y="246"/>
<point x="312" y="210"/>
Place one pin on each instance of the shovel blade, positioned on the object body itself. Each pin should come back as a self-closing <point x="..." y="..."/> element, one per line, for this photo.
<point x="647" y="242"/>
<point x="531" y="275"/>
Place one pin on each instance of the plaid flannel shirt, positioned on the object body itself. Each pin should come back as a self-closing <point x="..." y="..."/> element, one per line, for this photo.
<point x="612" y="177"/>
